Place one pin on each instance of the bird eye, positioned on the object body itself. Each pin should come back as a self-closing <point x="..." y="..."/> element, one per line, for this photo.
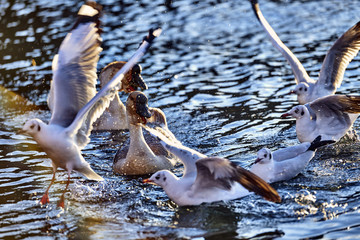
<point x="297" y="111"/>
<point x="265" y="155"/>
<point x="32" y="126"/>
<point x="300" y="89"/>
<point x="302" y="113"/>
<point x="157" y="177"/>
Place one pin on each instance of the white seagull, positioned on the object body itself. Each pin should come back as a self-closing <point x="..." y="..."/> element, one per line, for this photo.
<point x="330" y="116"/>
<point x="208" y="179"/>
<point x="72" y="97"/>
<point x="332" y="71"/>
<point x="286" y="163"/>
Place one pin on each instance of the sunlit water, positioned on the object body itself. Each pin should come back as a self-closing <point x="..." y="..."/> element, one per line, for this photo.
<point x="223" y="88"/>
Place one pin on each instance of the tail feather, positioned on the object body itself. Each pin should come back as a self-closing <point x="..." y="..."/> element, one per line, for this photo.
<point x="89" y="173"/>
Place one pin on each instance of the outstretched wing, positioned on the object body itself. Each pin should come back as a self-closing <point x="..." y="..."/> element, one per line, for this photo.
<point x="338" y="58"/>
<point x="220" y="173"/>
<point x="330" y="106"/>
<point x="297" y="68"/>
<point x="82" y="124"/>
<point x="74" y="68"/>
<point x="186" y="155"/>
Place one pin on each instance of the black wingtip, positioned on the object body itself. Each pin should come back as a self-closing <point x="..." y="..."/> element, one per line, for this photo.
<point x="85" y="16"/>
<point x="318" y="143"/>
<point x="153" y="33"/>
<point x="255" y="7"/>
<point x="255" y="184"/>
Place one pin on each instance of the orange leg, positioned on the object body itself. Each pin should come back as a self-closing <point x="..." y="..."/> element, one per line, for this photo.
<point x="61" y="202"/>
<point x="45" y="197"/>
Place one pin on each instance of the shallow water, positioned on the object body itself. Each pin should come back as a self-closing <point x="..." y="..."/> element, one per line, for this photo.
<point x="223" y="88"/>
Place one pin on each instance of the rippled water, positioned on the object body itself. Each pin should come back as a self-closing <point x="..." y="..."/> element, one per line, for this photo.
<point x="223" y="88"/>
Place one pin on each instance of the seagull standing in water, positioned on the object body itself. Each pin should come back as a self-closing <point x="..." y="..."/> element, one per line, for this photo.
<point x="72" y="99"/>
<point x="332" y="71"/>
<point x="207" y="179"/>
<point x="286" y="163"/>
<point x="330" y="116"/>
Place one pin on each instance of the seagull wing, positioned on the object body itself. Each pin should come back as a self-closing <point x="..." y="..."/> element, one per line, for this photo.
<point x="297" y="68"/>
<point x="334" y="105"/>
<point x="186" y="155"/>
<point x="290" y="152"/>
<point x="338" y="58"/>
<point x="74" y="68"/>
<point x="82" y="124"/>
<point x="220" y="173"/>
<point x="333" y="111"/>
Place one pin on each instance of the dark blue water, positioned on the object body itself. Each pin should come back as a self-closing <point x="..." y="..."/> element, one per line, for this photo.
<point x="223" y="88"/>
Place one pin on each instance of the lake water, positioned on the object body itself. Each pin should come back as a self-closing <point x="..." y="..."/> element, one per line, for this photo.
<point x="223" y="88"/>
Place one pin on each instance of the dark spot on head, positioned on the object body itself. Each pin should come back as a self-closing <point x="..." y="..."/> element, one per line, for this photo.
<point x="164" y="179"/>
<point x="39" y="128"/>
<point x="270" y="156"/>
<point x="305" y="89"/>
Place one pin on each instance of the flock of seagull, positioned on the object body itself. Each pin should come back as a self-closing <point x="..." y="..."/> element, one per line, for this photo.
<point x="77" y="109"/>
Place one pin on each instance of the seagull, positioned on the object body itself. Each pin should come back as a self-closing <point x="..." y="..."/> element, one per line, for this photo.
<point x="114" y="117"/>
<point x="286" y="163"/>
<point x="143" y="155"/>
<point x="329" y="116"/>
<point x="72" y="99"/>
<point x="332" y="71"/>
<point x="207" y="179"/>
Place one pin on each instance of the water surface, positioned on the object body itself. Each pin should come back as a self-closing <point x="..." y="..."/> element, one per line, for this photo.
<point x="223" y="88"/>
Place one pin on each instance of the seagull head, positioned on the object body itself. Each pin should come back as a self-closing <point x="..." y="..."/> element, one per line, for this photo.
<point x="296" y="112"/>
<point x="160" y="178"/>
<point x="263" y="156"/>
<point x="32" y="127"/>
<point x="137" y="108"/>
<point x="301" y="90"/>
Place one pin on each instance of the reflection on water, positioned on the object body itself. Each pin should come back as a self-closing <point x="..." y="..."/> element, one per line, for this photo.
<point x="222" y="86"/>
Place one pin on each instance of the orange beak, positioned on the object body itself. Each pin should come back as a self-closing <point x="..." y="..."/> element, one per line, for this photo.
<point x="285" y="115"/>
<point x="147" y="180"/>
<point x="257" y="160"/>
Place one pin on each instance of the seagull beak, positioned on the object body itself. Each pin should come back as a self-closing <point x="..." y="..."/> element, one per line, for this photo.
<point x="257" y="160"/>
<point x="285" y="115"/>
<point x="147" y="180"/>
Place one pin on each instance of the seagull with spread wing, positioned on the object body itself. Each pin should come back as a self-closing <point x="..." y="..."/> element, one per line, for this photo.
<point x="73" y="100"/>
<point x="331" y="117"/>
<point x="206" y="179"/>
<point x="332" y="71"/>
